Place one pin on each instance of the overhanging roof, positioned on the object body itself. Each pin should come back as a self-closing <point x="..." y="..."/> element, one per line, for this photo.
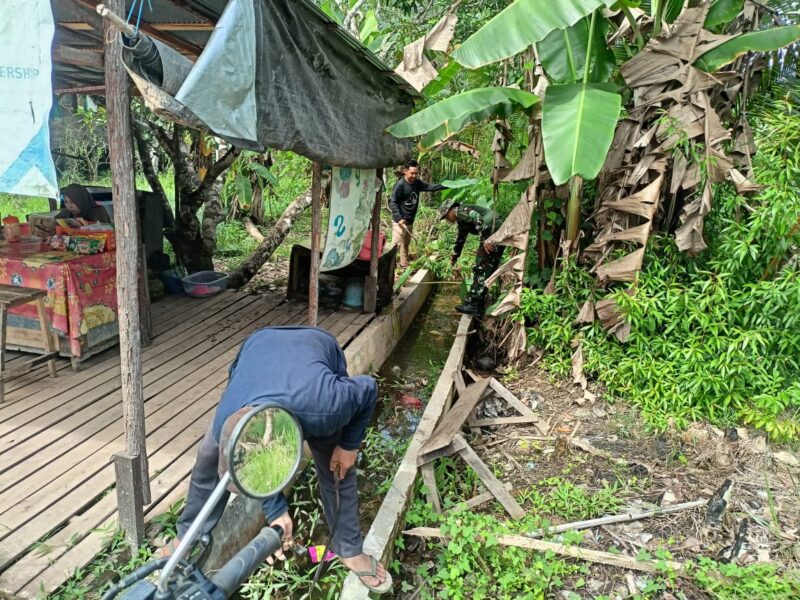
<point x="184" y="25"/>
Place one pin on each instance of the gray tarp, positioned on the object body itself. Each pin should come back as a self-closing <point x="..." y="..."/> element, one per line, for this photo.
<point x="279" y="74"/>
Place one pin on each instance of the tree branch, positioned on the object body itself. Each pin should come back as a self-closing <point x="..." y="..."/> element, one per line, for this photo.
<point x="349" y="20"/>
<point x="218" y="168"/>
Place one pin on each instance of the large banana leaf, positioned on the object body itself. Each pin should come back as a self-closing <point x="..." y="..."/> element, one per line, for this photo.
<point x="578" y="123"/>
<point x="563" y="53"/>
<point x="722" y="12"/>
<point x="766" y="40"/>
<point x="451" y="115"/>
<point x="442" y="80"/>
<point x="521" y="24"/>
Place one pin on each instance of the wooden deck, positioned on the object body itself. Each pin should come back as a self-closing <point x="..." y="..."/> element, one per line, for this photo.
<point x="57" y="436"/>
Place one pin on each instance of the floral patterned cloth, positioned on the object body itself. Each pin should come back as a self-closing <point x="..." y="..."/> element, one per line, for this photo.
<point x="81" y="289"/>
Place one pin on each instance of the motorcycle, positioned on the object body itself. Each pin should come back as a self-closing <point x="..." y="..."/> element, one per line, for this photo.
<point x="263" y="455"/>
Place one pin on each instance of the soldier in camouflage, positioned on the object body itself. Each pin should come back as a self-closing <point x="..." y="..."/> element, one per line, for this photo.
<point x="483" y="222"/>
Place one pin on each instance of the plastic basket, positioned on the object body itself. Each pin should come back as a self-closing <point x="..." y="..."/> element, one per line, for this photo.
<point x="204" y="283"/>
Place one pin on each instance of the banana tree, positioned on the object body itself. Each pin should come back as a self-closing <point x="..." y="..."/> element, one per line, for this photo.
<point x="581" y="107"/>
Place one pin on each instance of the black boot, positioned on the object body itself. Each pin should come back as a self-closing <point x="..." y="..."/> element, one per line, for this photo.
<point x="471" y="307"/>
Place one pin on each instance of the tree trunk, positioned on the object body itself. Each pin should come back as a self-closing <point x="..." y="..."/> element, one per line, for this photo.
<point x="194" y="242"/>
<point x="257" y="206"/>
<point x="250" y="266"/>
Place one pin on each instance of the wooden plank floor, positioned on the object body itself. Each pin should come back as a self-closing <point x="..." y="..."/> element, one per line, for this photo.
<point x="57" y="435"/>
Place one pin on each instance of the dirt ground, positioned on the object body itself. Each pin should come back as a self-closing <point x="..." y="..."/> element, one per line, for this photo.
<point x="595" y="444"/>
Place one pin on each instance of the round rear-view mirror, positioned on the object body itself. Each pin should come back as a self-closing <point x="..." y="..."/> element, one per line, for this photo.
<point x="265" y="451"/>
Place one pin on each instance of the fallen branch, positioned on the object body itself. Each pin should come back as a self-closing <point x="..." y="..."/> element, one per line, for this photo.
<point x="587" y="447"/>
<point x="252" y="230"/>
<point x="624" y="518"/>
<point x="261" y="254"/>
<point x="595" y="556"/>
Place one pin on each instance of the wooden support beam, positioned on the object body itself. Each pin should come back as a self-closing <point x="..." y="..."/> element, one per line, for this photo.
<point x="81" y="89"/>
<point x="316" y="243"/>
<point x="130" y="508"/>
<point x="371" y="285"/>
<point x="120" y="143"/>
<point x="145" y="27"/>
<point x="183" y="26"/>
<point x="492" y="483"/>
<point x="79" y="57"/>
<point x="429" y="481"/>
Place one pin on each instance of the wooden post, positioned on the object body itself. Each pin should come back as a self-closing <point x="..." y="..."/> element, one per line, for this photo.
<point x="125" y="224"/>
<point x="371" y="286"/>
<point x="130" y="509"/>
<point x="316" y="242"/>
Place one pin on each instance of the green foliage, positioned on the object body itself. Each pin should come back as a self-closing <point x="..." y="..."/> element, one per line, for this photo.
<point x="564" y="53"/>
<point x="578" y="123"/>
<point x="568" y="501"/>
<point x="723" y="12"/>
<point x="473" y="565"/>
<point x="523" y="23"/>
<point x="766" y="40"/>
<point x="728" y="581"/>
<point x="445" y="118"/>
<point x="713" y="338"/>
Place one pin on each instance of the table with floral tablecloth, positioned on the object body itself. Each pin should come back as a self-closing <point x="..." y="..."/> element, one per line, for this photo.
<point x="81" y="289"/>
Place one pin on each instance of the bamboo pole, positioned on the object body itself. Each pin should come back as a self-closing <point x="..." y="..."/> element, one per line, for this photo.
<point x="316" y="242"/>
<point x="120" y="145"/>
<point x="624" y="518"/>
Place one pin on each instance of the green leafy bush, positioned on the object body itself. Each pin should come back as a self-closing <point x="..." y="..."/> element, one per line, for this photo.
<point x="715" y="337"/>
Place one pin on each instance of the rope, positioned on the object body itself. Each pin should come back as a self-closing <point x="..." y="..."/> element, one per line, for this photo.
<point x="139" y="14"/>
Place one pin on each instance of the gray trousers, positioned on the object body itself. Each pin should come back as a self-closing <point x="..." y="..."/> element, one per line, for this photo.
<point x="347" y="541"/>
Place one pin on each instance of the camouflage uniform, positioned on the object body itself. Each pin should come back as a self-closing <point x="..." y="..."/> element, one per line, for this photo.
<point x="483" y="222"/>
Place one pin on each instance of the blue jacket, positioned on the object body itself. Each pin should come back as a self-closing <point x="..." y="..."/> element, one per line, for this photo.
<point x="302" y="369"/>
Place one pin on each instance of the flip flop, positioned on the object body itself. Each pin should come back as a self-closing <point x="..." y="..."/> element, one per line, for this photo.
<point x="378" y="589"/>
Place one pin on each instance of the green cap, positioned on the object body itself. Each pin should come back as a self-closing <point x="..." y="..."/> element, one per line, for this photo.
<point x="445" y="207"/>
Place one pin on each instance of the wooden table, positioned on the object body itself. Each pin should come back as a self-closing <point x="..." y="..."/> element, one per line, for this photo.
<point x="80" y="304"/>
<point x="16" y="296"/>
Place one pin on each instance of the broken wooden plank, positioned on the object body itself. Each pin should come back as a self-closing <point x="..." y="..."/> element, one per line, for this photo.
<point x="455" y="418"/>
<point x="595" y="556"/>
<point x="512" y="400"/>
<point x="461" y="388"/>
<point x="451" y="448"/>
<point x="623" y="518"/>
<point x="431" y="491"/>
<point x="491" y="482"/>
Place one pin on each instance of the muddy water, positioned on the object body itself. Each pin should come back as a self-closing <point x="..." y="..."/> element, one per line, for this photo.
<point x="406" y="381"/>
<point x="412" y="369"/>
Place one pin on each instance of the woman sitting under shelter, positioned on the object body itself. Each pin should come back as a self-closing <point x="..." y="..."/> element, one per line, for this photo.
<point x="78" y="204"/>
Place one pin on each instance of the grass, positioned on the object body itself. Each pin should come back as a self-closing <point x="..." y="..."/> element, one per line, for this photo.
<point x="262" y="469"/>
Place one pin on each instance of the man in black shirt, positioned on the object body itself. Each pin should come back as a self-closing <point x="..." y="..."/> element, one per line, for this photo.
<point x="404" y="203"/>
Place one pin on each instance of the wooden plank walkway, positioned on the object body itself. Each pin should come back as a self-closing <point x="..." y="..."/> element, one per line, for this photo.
<point x="57" y="436"/>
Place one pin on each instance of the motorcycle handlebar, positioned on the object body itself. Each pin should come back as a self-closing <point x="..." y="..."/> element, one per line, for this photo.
<point x="248" y="559"/>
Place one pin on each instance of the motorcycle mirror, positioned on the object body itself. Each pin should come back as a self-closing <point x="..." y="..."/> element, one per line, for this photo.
<point x="265" y="451"/>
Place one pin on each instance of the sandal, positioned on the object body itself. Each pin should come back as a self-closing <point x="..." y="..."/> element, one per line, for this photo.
<point x="378" y="589"/>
